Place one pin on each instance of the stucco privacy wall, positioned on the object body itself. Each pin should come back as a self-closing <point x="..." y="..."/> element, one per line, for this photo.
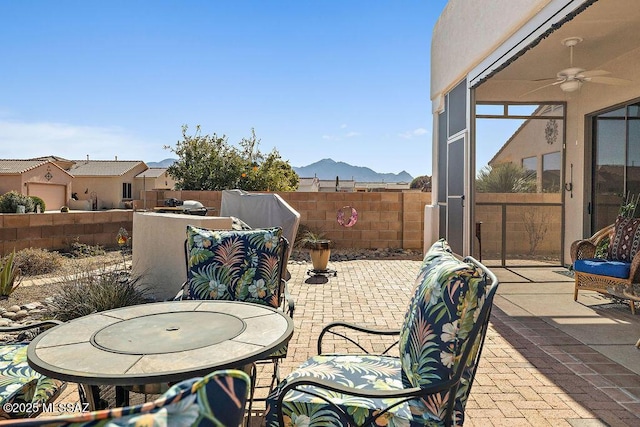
<point x="467" y="31"/>
<point x="56" y="230"/>
<point x="385" y="220"/>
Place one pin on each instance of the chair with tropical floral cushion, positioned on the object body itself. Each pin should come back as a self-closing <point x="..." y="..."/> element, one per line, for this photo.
<point x="240" y="265"/>
<point x="217" y="399"/>
<point x="428" y="383"/>
<point x="22" y="390"/>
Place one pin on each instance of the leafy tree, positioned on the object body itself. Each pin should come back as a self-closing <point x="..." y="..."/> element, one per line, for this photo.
<point x="422" y="182"/>
<point x="506" y="178"/>
<point x="209" y="162"/>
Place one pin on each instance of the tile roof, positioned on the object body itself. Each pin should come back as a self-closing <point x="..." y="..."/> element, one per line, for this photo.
<point x="103" y="167"/>
<point x="152" y="173"/>
<point x="11" y="167"/>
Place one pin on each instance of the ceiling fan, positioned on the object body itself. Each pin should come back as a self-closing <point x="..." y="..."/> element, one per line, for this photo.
<point x="571" y="79"/>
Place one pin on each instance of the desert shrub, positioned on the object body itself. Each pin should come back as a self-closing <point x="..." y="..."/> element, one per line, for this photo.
<point x="9" y="202"/>
<point x="82" y="250"/>
<point x="38" y="202"/>
<point x="35" y="261"/>
<point x="10" y="275"/>
<point x="89" y="291"/>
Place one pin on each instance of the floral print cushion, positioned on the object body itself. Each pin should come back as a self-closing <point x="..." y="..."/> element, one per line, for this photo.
<point x="20" y="384"/>
<point x="363" y="372"/>
<point x="234" y="265"/>
<point x="216" y="400"/>
<point x="441" y="315"/>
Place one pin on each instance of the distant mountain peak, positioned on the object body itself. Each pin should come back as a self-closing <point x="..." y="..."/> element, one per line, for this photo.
<point x="329" y="169"/>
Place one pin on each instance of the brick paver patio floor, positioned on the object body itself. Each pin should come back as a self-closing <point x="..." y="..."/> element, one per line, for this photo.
<point x="530" y="374"/>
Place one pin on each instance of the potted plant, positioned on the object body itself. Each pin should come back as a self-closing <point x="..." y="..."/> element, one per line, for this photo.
<point x="319" y="248"/>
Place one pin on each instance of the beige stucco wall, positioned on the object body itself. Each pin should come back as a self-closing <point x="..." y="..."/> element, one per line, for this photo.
<point x="467" y="31"/>
<point x="108" y="189"/>
<point x="158" y="248"/>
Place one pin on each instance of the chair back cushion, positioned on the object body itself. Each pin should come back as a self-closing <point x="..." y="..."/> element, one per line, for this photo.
<point x="625" y="241"/>
<point x="218" y="399"/>
<point x="241" y="265"/>
<point x="438" y="324"/>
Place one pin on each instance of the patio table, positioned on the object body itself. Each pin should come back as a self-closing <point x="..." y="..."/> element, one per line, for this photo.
<point x="159" y="342"/>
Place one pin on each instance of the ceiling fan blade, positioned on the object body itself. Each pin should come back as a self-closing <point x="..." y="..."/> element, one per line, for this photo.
<point x="608" y="81"/>
<point x="541" y="87"/>
<point x="547" y="79"/>
<point x="594" y="73"/>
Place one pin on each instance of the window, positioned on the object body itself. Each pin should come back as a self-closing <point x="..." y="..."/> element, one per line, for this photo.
<point x="551" y="172"/>
<point x="126" y="190"/>
<point x="530" y="164"/>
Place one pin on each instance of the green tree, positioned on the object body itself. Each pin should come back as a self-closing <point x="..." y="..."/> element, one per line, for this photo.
<point x="506" y="178"/>
<point x="209" y="162"/>
<point x="422" y="182"/>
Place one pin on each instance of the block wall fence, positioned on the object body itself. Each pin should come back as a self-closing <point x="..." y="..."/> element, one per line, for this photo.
<point x="385" y="220"/>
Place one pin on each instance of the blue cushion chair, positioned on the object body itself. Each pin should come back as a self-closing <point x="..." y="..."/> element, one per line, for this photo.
<point x="428" y="383"/>
<point x="609" y="261"/>
<point x="217" y="399"/>
<point x="24" y="391"/>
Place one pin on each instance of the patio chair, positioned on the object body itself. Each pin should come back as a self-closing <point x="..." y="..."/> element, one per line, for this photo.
<point x="439" y="348"/>
<point x="240" y="265"/>
<point x="23" y="391"/>
<point x="217" y="399"/>
<point x="610" y="272"/>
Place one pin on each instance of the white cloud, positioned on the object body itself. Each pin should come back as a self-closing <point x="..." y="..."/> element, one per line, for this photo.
<point x="330" y="137"/>
<point x="411" y="133"/>
<point x="20" y="140"/>
<point x="352" y="134"/>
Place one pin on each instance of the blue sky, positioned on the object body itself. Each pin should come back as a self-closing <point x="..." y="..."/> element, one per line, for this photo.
<point x="347" y="80"/>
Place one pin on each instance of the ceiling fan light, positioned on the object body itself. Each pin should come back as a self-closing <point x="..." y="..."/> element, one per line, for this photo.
<point x="570" y="85"/>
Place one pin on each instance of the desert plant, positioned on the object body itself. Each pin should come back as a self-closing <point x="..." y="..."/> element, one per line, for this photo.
<point x="35" y="261"/>
<point x="536" y="224"/>
<point x="10" y="276"/>
<point x="89" y="291"/>
<point x="312" y="239"/>
<point x="10" y="201"/>
<point x="38" y="204"/>
<point x="506" y="178"/>
<point x="82" y="250"/>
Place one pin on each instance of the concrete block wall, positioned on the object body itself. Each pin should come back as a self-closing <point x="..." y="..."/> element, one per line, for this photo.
<point x="385" y="219"/>
<point x="57" y="230"/>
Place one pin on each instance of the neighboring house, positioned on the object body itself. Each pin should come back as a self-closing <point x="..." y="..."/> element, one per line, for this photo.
<point x="537" y="146"/>
<point x="105" y="184"/>
<point x="37" y="177"/>
<point x="153" y="179"/>
<point x="363" y="187"/>
<point x="583" y="55"/>
<point x="308" y="185"/>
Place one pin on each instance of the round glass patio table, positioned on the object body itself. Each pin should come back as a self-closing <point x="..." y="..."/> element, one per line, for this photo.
<point x="159" y="342"/>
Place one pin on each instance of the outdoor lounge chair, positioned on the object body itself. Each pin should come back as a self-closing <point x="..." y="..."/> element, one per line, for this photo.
<point x="22" y="390"/>
<point x="428" y="384"/>
<point x="614" y="272"/>
<point x="217" y="399"/>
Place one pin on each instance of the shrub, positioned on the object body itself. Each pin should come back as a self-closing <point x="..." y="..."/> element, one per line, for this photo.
<point x="38" y="203"/>
<point x="82" y="250"/>
<point x="9" y="202"/>
<point x="89" y="291"/>
<point x="35" y="261"/>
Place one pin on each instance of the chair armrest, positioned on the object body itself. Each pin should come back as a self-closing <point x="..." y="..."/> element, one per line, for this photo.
<point x="582" y="249"/>
<point x="634" y="270"/>
<point x="404" y="394"/>
<point x="329" y="330"/>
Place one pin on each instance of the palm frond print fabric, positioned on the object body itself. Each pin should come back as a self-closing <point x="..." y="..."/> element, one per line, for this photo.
<point x="234" y="265"/>
<point x="445" y="306"/>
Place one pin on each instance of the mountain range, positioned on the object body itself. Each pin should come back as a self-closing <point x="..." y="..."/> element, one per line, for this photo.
<point x="328" y="169"/>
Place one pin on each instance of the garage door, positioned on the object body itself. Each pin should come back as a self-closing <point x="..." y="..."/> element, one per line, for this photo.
<point x="54" y="196"/>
